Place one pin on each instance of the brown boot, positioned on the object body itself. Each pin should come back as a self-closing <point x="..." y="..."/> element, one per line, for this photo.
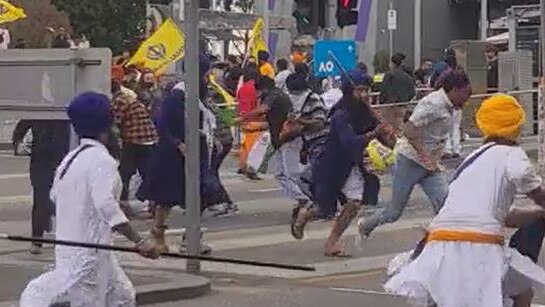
<point x="158" y="235"/>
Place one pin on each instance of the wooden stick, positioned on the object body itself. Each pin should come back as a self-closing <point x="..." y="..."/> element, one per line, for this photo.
<point x="171" y="255"/>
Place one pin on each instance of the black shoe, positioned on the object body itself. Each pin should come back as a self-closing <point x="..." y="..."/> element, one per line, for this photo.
<point x="241" y="171"/>
<point x="253" y="176"/>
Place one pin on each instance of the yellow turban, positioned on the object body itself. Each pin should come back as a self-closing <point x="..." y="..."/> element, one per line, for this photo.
<point x="501" y="116"/>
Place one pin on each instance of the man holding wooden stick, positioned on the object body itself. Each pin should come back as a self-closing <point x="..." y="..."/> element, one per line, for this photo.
<point x="86" y="192"/>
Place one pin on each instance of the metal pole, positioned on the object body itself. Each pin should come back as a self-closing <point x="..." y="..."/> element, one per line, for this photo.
<point x="262" y="9"/>
<point x="391" y="33"/>
<point x="541" y="97"/>
<point x="417" y="33"/>
<point x="192" y="171"/>
<point x="484" y="19"/>
<point x="331" y="18"/>
<point x="512" y="27"/>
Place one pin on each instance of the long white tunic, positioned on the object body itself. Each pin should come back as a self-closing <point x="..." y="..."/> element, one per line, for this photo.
<point x="454" y="274"/>
<point x="87" y="207"/>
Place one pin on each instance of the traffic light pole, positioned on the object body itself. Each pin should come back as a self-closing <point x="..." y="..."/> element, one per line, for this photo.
<point x="417" y="33"/>
<point x="192" y="170"/>
<point x="484" y="20"/>
<point x="391" y="36"/>
<point x="541" y="98"/>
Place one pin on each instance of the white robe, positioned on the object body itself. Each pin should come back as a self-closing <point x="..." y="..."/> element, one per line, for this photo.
<point x="87" y="205"/>
<point x="454" y="274"/>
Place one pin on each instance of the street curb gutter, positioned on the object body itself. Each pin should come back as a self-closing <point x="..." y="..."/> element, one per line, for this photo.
<point x="188" y="287"/>
<point x="191" y="286"/>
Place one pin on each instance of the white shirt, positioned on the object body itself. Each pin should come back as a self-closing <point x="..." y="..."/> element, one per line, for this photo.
<point x="433" y="118"/>
<point x="87" y="206"/>
<point x="87" y="197"/>
<point x="483" y="193"/>
<point x="331" y="97"/>
<point x="280" y="80"/>
<point x="7" y="39"/>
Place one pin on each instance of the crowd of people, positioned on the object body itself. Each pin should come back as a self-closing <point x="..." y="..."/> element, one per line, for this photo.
<point x="329" y="147"/>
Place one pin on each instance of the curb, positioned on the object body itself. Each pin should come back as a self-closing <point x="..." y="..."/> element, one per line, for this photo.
<point x="187" y="287"/>
<point x="6" y="147"/>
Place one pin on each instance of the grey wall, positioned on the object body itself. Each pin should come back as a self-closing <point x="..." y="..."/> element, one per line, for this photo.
<point x="442" y="23"/>
<point x="404" y="35"/>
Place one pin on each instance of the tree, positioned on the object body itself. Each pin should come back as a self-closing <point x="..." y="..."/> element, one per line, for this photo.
<point x="118" y="25"/>
<point x="41" y="14"/>
<point x="246" y="6"/>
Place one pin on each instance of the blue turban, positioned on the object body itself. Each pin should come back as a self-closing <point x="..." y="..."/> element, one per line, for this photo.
<point x="90" y="114"/>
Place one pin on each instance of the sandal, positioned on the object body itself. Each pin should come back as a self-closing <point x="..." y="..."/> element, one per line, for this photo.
<point x="298" y="226"/>
<point x="337" y="254"/>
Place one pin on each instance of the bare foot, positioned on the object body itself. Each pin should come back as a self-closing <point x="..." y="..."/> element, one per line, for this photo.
<point x="335" y="250"/>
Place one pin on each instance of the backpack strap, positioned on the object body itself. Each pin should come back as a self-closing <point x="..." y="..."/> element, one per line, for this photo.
<point x="71" y="160"/>
<point x="469" y="161"/>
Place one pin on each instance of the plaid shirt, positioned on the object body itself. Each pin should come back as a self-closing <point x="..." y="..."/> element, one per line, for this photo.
<point x="134" y="121"/>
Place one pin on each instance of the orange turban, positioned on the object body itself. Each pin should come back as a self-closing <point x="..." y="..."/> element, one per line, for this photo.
<point x="118" y="73"/>
<point x="501" y="116"/>
<point x="298" y="57"/>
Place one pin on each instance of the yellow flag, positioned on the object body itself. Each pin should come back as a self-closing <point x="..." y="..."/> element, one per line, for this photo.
<point x="229" y="100"/>
<point x="9" y="13"/>
<point x="257" y="43"/>
<point x="163" y="48"/>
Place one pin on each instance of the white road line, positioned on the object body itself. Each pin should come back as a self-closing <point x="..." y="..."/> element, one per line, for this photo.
<point x="13" y="176"/>
<point x="265" y="190"/>
<point x="365" y="291"/>
<point x="361" y="291"/>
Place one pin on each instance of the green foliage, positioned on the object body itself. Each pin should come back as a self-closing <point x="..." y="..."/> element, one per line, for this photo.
<point x="41" y="14"/>
<point x="106" y="23"/>
<point x="247" y="6"/>
<point x="381" y="62"/>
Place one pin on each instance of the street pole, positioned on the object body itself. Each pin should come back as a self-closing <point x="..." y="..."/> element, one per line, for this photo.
<point x="541" y="97"/>
<point x="417" y="33"/>
<point x="484" y="20"/>
<point x="262" y="9"/>
<point x="192" y="170"/>
<point x="391" y="36"/>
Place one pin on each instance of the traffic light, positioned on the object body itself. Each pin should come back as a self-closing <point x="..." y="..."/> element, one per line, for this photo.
<point x="310" y="15"/>
<point x="347" y="12"/>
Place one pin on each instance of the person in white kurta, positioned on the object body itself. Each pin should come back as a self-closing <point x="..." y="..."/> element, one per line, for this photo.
<point x="459" y="272"/>
<point x="86" y="192"/>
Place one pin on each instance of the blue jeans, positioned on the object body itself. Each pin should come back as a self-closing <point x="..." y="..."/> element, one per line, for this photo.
<point x="407" y="174"/>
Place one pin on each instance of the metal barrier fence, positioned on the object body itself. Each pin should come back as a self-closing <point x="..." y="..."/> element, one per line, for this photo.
<point x="7" y="126"/>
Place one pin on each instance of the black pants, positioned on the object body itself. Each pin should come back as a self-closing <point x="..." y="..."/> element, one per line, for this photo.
<point x="217" y="159"/>
<point x="371" y="189"/>
<point x="42" y="211"/>
<point x="528" y="239"/>
<point x="134" y="158"/>
<point x="219" y="156"/>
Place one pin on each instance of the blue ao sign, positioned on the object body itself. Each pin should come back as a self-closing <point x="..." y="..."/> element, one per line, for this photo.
<point x="327" y="54"/>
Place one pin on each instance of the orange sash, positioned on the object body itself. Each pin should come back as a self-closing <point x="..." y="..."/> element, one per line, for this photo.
<point x="463" y="236"/>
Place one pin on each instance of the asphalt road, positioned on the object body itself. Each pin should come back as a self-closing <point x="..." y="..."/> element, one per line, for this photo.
<point x="327" y="292"/>
<point x="260" y="232"/>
